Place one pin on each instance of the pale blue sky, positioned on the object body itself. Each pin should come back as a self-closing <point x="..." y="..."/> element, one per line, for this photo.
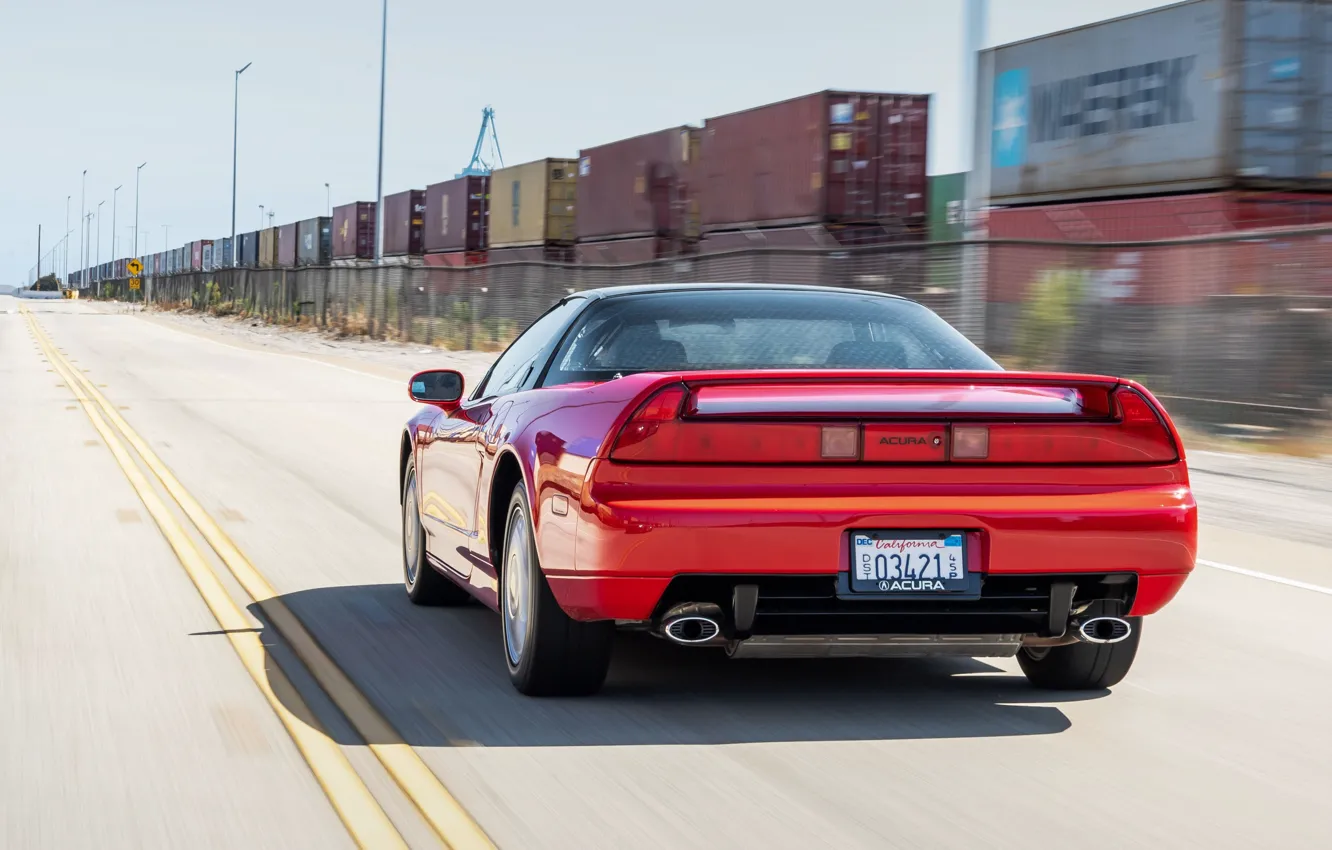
<point x="107" y="85"/>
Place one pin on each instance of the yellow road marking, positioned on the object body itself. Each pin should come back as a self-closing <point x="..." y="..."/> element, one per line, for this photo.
<point x="353" y="802"/>
<point x="445" y="814"/>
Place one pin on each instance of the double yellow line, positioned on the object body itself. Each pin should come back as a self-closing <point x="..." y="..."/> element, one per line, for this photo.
<point x="355" y="805"/>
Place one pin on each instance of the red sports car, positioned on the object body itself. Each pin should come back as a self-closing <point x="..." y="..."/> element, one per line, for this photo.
<point x="790" y="471"/>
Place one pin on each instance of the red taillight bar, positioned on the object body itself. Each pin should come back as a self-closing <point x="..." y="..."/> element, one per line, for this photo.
<point x="663" y="430"/>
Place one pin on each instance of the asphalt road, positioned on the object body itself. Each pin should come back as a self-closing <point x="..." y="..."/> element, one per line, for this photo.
<point x="127" y="719"/>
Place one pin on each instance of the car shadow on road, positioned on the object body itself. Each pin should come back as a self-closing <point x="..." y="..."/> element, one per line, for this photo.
<point x="438" y="676"/>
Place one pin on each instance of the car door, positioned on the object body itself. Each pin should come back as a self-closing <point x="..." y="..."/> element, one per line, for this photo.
<point x="453" y="454"/>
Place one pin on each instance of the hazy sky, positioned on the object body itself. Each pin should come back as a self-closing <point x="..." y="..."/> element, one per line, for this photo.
<point x="107" y="84"/>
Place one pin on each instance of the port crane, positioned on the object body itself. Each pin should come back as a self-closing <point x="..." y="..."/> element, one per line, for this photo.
<point x="479" y="167"/>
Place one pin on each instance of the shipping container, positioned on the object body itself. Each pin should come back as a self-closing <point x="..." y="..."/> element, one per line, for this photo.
<point x="249" y="249"/>
<point x="354" y="231"/>
<point x="208" y="256"/>
<point x="222" y="258"/>
<point x="268" y="248"/>
<point x="456" y="258"/>
<point x="456" y="214"/>
<point x="1139" y="273"/>
<point x="638" y="187"/>
<point x="642" y="249"/>
<point x="549" y="253"/>
<point x="404" y="222"/>
<point x="947" y="196"/>
<point x="825" y="157"/>
<point x="314" y="241"/>
<point x="286" y="246"/>
<point x="1205" y="94"/>
<point x="533" y="203"/>
<point x="196" y="256"/>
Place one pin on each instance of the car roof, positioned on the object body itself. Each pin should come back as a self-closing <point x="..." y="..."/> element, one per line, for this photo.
<point x="649" y="288"/>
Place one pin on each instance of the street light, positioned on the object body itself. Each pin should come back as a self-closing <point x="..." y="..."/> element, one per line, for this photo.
<point x="83" y="245"/>
<point x="235" y="138"/>
<point x="261" y="216"/>
<point x="113" y="219"/>
<point x="99" y="248"/>
<point x="328" y="193"/>
<point x="64" y="250"/>
<point x="379" y="183"/>
<point x="136" y="209"/>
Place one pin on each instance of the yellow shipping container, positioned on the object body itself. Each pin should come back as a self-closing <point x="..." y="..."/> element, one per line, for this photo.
<point x="533" y="203"/>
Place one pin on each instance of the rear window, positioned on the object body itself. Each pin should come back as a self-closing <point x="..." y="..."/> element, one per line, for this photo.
<point x="758" y="329"/>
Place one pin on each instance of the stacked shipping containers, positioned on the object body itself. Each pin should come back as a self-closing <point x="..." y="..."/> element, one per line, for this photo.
<point x="404" y="223"/>
<point x="354" y="231"/>
<point x="456" y="216"/>
<point x="1181" y="109"/>
<point x="532" y="211"/>
<point x="851" y="160"/>
<point x="249" y="250"/>
<point x="314" y="241"/>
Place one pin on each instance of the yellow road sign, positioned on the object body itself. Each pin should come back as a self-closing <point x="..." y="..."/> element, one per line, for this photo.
<point x="135" y="267"/>
<point x="134" y="283"/>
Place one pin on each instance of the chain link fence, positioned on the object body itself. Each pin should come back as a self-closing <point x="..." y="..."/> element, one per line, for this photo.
<point x="1233" y="331"/>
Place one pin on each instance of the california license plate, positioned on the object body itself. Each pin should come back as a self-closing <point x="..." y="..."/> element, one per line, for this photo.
<point x="908" y="562"/>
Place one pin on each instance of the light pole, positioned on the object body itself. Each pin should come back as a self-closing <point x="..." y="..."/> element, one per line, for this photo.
<point x="261" y="216"/>
<point x="99" y="248"/>
<point x="83" y="245"/>
<point x="328" y="194"/>
<point x="64" y="250"/>
<point x="235" y="138"/>
<point x="379" y="182"/>
<point x="114" y="192"/>
<point x="136" y="209"/>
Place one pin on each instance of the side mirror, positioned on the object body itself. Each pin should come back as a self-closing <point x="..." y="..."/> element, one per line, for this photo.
<point x="442" y="388"/>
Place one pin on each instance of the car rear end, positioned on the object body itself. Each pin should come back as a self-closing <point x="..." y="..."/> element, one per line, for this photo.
<point x="883" y="513"/>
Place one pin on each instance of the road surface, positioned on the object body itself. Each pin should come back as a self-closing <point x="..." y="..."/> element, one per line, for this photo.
<point x="129" y="716"/>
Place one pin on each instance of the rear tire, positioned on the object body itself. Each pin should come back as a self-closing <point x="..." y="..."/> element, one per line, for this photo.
<point x="1082" y="666"/>
<point x="425" y="586"/>
<point x="548" y="653"/>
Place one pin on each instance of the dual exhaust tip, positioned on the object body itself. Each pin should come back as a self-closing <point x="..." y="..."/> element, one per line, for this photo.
<point x="700" y="624"/>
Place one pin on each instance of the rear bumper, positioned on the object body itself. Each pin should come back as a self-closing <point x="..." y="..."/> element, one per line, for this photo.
<point x="635" y="557"/>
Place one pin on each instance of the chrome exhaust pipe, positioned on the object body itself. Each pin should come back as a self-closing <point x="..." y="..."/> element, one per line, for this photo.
<point x="1103" y="630"/>
<point x="694" y="624"/>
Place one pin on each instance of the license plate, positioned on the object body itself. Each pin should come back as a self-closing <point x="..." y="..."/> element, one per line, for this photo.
<point x="911" y="562"/>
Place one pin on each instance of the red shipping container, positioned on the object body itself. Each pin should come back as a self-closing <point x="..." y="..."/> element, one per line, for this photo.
<point x="829" y="156"/>
<point x="354" y="231"/>
<point x="638" y="186"/>
<point x="456" y="259"/>
<point x="286" y="257"/>
<point x="404" y="222"/>
<point x="196" y="256"/>
<point x="532" y="254"/>
<point x="1143" y="274"/>
<point x="456" y="215"/>
<point x="643" y="249"/>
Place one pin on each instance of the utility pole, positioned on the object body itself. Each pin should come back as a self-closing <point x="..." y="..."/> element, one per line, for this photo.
<point x="235" y="139"/>
<point x="39" y="252"/>
<point x="379" y="182"/>
<point x="136" y="208"/>
<point x="64" y="251"/>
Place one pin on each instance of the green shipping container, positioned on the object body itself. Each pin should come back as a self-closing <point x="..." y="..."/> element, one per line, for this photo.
<point x="947" y="194"/>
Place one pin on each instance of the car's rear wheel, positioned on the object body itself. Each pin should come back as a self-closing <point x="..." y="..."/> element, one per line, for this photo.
<point x="548" y="653"/>
<point x="424" y="585"/>
<point x="1082" y="666"/>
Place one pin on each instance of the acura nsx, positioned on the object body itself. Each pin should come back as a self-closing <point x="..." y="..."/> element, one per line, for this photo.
<point x="778" y="471"/>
